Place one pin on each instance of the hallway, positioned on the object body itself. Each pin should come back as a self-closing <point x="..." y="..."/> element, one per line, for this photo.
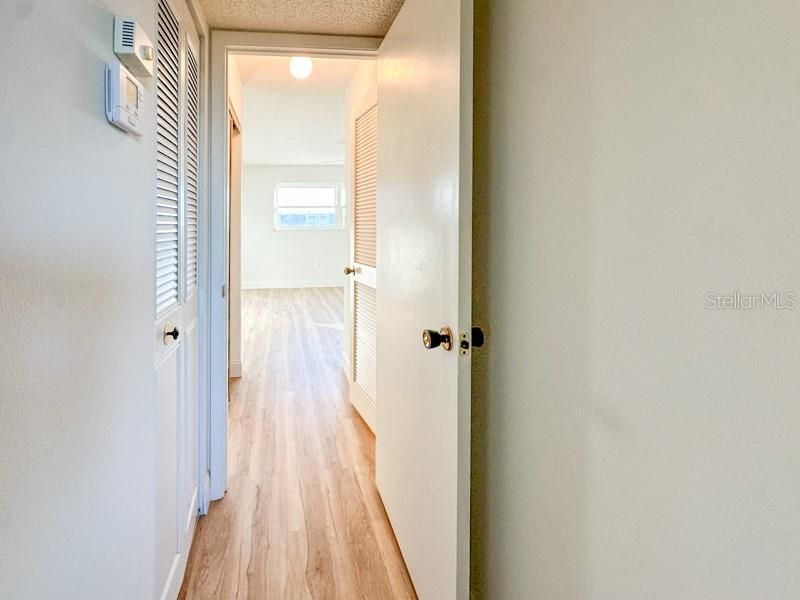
<point x="302" y="517"/>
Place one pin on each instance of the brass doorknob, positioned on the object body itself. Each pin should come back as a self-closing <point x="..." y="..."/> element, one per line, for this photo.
<point x="349" y="270"/>
<point x="433" y="339"/>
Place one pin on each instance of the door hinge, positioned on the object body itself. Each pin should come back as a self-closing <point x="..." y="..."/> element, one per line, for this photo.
<point x="224" y="290"/>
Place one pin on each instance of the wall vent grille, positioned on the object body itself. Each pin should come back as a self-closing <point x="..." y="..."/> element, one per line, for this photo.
<point x="128" y="33"/>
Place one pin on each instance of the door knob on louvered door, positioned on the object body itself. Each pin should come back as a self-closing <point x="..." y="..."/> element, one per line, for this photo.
<point x="171" y="333"/>
<point x="349" y="270"/>
<point x="433" y="339"/>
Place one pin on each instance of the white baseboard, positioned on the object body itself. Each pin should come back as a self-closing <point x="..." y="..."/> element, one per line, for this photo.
<point x="346" y="365"/>
<point x="235" y="368"/>
<point x="178" y="569"/>
<point x="363" y="404"/>
<point x="204" y="499"/>
<point x="284" y="285"/>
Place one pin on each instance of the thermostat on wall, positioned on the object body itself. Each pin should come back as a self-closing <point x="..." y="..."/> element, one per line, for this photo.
<point x="124" y="98"/>
<point x="133" y="47"/>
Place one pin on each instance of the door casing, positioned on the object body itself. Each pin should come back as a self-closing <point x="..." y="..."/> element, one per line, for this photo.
<point x="223" y="44"/>
<point x="234" y="243"/>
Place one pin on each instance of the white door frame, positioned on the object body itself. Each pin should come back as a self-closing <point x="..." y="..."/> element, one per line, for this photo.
<point x="224" y="43"/>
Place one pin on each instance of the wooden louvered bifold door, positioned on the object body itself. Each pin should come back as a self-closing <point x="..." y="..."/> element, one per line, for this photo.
<point x="168" y="141"/>
<point x="366" y="187"/>
<point x="192" y="162"/>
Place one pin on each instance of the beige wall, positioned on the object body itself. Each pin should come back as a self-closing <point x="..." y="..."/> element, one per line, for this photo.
<point x="235" y="257"/>
<point x="77" y="384"/>
<point x="631" y="443"/>
<point x="235" y="99"/>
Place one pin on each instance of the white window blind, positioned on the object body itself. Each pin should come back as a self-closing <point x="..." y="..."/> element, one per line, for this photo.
<point x="366" y="188"/>
<point x="309" y="206"/>
<point x="167" y="159"/>
<point x="192" y="162"/>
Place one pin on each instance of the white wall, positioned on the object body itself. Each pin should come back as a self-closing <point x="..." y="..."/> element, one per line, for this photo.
<point x="631" y="443"/>
<point x="275" y="259"/>
<point x="77" y="385"/>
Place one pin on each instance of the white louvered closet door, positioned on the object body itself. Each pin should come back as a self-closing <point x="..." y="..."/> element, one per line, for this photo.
<point x="177" y="196"/>
<point x="363" y="389"/>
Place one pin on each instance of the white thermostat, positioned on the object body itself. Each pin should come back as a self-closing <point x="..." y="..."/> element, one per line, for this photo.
<point x="124" y="98"/>
<point x="133" y="47"/>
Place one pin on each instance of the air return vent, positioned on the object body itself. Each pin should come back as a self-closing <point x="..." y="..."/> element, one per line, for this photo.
<point x="128" y="32"/>
<point x="132" y="46"/>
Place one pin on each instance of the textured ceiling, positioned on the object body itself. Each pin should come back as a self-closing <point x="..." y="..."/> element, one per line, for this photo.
<point x="291" y="122"/>
<point x="338" y="17"/>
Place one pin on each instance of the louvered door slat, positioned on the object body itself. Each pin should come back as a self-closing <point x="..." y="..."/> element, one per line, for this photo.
<point x="167" y="160"/>
<point x="192" y="166"/>
<point x="365" y="200"/>
<point x="365" y="340"/>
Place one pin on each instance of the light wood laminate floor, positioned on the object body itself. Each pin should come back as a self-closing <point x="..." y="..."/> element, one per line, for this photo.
<point x="302" y="517"/>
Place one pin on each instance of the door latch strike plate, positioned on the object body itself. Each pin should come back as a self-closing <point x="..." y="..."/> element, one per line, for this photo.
<point x="464" y="344"/>
<point x="469" y="340"/>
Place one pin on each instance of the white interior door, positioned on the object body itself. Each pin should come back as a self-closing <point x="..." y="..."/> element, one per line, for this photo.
<point x="176" y="340"/>
<point x="363" y="269"/>
<point x="424" y="282"/>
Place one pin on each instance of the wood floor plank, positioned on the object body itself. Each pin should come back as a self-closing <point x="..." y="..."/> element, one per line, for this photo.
<point x="302" y="518"/>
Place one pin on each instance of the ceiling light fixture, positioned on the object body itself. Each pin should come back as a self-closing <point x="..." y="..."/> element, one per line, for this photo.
<point x="300" y="67"/>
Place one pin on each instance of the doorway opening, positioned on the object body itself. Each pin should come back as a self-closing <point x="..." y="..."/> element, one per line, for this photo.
<point x="302" y="185"/>
<point x="422" y="289"/>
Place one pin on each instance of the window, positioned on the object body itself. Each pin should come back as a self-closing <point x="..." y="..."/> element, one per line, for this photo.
<point x="309" y="206"/>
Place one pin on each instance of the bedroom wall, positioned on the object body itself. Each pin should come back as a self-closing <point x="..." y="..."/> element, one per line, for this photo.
<point x="288" y="259"/>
